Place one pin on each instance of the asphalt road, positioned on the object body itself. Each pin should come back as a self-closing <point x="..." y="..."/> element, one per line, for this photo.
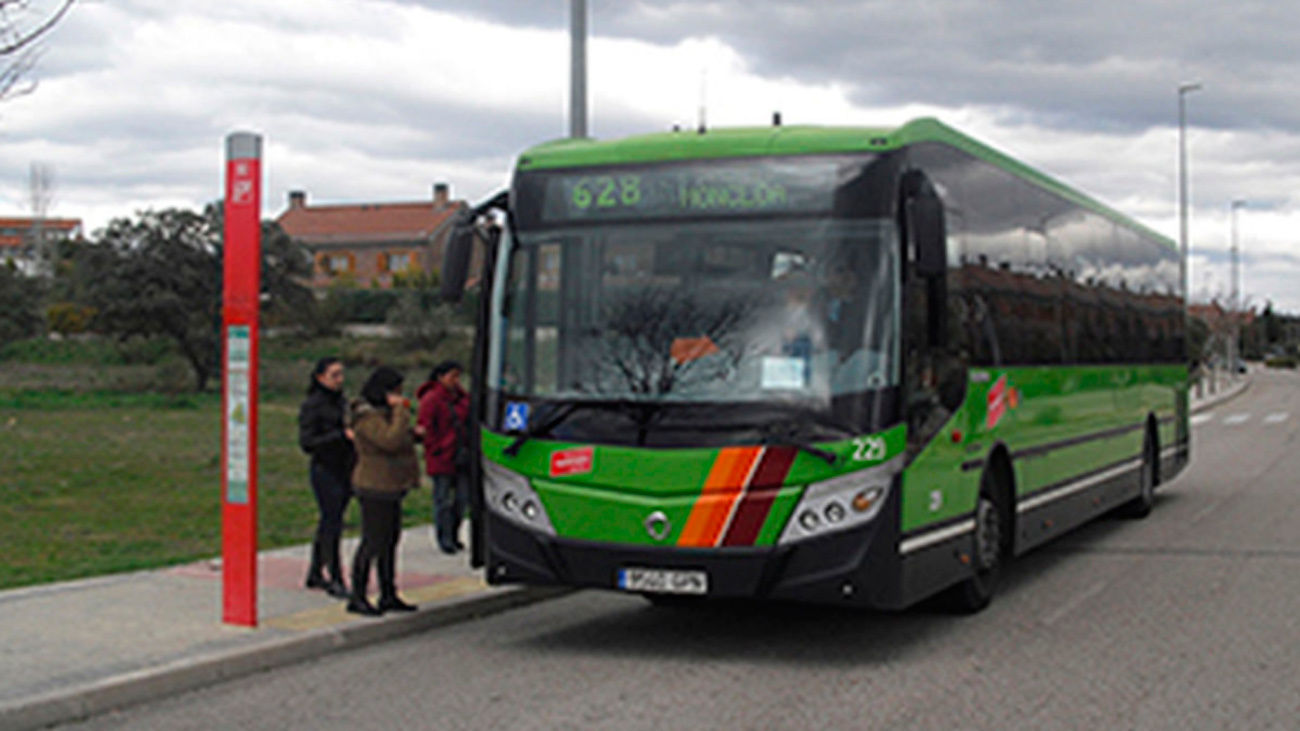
<point x="1189" y="619"/>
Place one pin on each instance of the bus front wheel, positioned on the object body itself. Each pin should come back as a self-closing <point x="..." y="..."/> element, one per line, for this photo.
<point x="992" y="532"/>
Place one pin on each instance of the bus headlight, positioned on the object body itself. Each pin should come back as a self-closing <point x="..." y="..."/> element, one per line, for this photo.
<point x="509" y="496"/>
<point x="840" y="503"/>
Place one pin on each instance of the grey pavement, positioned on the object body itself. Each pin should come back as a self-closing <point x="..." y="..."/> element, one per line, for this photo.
<point x="76" y="649"/>
<point x="1218" y="386"/>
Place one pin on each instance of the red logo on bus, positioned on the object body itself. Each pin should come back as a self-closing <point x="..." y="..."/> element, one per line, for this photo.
<point x="568" y="462"/>
<point x="997" y="402"/>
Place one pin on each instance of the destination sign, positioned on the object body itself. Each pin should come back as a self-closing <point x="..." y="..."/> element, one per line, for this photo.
<point x="675" y="191"/>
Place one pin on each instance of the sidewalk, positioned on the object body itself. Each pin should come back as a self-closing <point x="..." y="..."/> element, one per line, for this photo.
<point x="1226" y="386"/>
<point x="79" y="648"/>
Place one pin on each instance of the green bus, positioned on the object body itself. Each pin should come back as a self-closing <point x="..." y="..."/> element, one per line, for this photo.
<point x="838" y="365"/>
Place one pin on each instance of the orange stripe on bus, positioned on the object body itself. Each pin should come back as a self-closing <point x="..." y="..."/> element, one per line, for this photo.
<point x="722" y="488"/>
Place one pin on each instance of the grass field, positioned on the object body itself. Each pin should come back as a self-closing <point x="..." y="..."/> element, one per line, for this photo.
<point x="100" y="482"/>
<point x="108" y="462"/>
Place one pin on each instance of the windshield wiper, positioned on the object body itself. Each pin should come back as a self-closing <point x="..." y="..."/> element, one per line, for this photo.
<point x="829" y="457"/>
<point x="564" y="412"/>
<point x="791" y="434"/>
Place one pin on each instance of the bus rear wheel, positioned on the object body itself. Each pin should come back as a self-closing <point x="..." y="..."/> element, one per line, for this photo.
<point x="1140" y="506"/>
<point x="991" y="533"/>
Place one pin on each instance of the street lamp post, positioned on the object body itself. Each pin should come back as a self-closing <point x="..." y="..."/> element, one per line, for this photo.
<point x="1183" y="91"/>
<point x="1235" y="348"/>
<point x="577" y="68"/>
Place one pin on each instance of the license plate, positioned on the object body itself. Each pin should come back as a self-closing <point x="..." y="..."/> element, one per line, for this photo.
<point x="663" y="581"/>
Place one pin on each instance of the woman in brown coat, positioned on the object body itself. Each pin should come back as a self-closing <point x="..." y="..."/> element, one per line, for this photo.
<point x="386" y="470"/>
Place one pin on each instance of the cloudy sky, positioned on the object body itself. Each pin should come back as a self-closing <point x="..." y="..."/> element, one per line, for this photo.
<point x="375" y="100"/>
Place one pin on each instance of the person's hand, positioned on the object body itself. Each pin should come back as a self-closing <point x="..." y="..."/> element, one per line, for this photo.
<point x="351" y="435"/>
<point x="419" y="430"/>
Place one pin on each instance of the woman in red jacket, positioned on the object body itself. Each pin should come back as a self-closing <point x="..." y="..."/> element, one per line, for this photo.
<point x="444" y="413"/>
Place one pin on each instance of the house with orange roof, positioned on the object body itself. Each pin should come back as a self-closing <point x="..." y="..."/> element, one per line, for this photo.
<point x="1219" y="318"/>
<point x="371" y="243"/>
<point x="19" y="236"/>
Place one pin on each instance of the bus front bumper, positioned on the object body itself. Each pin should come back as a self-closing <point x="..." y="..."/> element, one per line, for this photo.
<point x="857" y="566"/>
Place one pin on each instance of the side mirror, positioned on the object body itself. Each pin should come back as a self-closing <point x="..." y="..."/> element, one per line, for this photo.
<point x="929" y="240"/>
<point x="929" y="235"/>
<point x="456" y="258"/>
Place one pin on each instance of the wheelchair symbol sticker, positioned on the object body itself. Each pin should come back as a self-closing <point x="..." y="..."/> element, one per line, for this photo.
<point x="516" y="415"/>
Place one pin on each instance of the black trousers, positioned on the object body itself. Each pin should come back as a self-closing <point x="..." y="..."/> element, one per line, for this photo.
<point x="381" y="528"/>
<point x="332" y="491"/>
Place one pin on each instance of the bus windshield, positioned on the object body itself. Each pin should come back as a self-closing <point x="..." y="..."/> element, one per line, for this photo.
<point x="799" y="311"/>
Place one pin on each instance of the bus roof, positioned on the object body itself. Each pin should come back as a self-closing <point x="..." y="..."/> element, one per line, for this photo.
<point x="797" y="140"/>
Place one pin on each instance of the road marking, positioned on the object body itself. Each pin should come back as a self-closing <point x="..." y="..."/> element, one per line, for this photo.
<point x="1054" y="616"/>
<point x="1203" y="513"/>
<point x="1201" y="419"/>
<point x="1277" y="417"/>
<point x="1236" y="419"/>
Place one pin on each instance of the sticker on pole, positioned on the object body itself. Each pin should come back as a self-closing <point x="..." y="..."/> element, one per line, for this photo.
<point x="567" y="462"/>
<point x="241" y="184"/>
<point x="237" y="413"/>
<point x="241" y="193"/>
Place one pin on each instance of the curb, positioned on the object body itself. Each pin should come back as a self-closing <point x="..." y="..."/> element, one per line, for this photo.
<point x="1220" y="398"/>
<point x="141" y="686"/>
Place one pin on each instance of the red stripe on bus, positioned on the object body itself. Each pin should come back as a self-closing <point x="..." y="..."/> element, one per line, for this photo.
<point x="759" y="496"/>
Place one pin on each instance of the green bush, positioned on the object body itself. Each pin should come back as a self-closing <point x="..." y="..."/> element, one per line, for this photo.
<point x="69" y="318"/>
<point x="286" y="377"/>
<point x="321" y="316"/>
<point x="20" y="297"/>
<point x="365" y="353"/>
<point x="368" y="306"/>
<point x="62" y="399"/>
<point x="44" y="351"/>
<point x="421" y="323"/>
<point x="143" y="351"/>
<point x="87" y="350"/>
<point x="173" y="377"/>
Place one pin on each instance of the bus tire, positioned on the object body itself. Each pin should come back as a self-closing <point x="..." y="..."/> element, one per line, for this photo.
<point x="991" y="549"/>
<point x="1140" y="506"/>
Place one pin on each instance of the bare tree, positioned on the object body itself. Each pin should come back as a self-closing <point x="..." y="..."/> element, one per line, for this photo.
<point x="19" y="34"/>
<point x="41" y="189"/>
<point x="636" y="352"/>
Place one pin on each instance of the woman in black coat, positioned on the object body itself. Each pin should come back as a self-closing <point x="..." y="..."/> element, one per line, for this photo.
<point x="324" y="434"/>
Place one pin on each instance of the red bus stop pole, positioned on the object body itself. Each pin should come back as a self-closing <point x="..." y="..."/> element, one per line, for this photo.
<point x="240" y="290"/>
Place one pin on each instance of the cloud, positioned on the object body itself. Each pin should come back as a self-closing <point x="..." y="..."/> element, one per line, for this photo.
<point x="377" y="99"/>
